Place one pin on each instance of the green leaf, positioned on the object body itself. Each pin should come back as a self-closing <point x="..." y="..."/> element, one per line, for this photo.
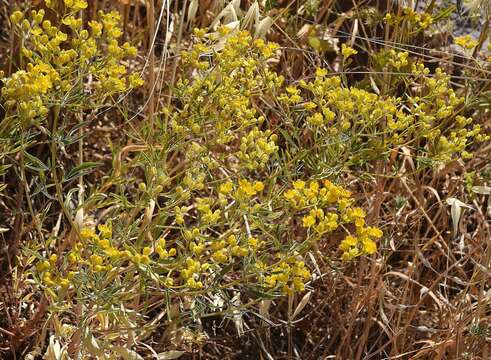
<point x="4" y="168"/>
<point x="314" y="42"/>
<point x="80" y="170"/>
<point x="34" y="163"/>
<point x="320" y="45"/>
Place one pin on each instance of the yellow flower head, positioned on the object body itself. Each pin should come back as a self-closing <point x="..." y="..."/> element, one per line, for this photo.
<point x="347" y="51"/>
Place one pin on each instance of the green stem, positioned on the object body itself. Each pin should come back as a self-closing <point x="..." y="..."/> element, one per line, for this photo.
<point x="58" y="185"/>
<point x="27" y="192"/>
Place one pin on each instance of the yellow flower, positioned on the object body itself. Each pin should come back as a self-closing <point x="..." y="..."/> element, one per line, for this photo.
<point x="320" y="72"/>
<point x="226" y="188"/>
<point x="253" y="242"/>
<point x="309" y="105"/>
<point x="220" y="256"/>
<point x="96" y="28"/>
<point x="375" y="232"/>
<point x="52" y="259"/>
<point x="467" y="42"/>
<point x="193" y="284"/>
<point x="350" y="254"/>
<point x="43" y="266"/>
<point x="112" y="252"/>
<point x="316" y="119"/>
<point x="95" y="259"/>
<point x="369" y="246"/>
<point x="239" y="251"/>
<point x="16" y="17"/>
<point x="105" y="231"/>
<point x="64" y="283"/>
<point x="308" y="221"/>
<point x="246" y="188"/>
<point x="348" y="242"/>
<point x="290" y="194"/>
<point x="72" y="258"/>
<point x="47" y="279"/>
<point x="135" y="80"/>
<point x="258" y="186"/>
<point x="359" y="222"/>
<point x="347" y="51"/>
<point x="299" y="184"/>
<point x="104" y="243"/>
<point x="87" y="234"/>
<point x="200" y="33"/>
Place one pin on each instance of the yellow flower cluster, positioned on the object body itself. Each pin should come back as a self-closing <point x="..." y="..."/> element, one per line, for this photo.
<point x="47" y="270"/>
<point x="24" y="89"/>
<point x="244" y="193"/>
<point x="71" y="5"/>
<point x="398" y="59"/>
<point x="302" y="195"/>
<point x="364" y="241"/>
<point x="247" y="189"/>
<point x="96" y="253"/>
<point x="208" y="217"/>
<point x="256" y="148"/>
<point x="209" y="256"/>
<point x="410" y="18"/>
<point x="347" y="51"/>
<point x="59" y="61"/>
<point x="192" y="272"/>
<point x="289" y="274"/>
<point x="161" y="250"/>
<point x="330" y="207"/>
<point x="337" y="109"/>
<point x="432" y="117"/>
<point x="466" y="42"/>
<point x="60" y="276"/>
<point x="368" y="120"/>
<point x="291" y="96"/>
<point x="218" y="104"/>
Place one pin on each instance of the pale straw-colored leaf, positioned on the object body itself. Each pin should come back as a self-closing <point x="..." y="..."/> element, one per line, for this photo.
<point x="192" y="11"/>
<point x="55" y="351"/>
<point x="482" y="190"/>
<point x="264" y="306"/>
<point x="228" y="14"/>
<point x="456" y="211"/>
<point x="237" y="315"/>
<point x="302" y="304"/>
<point x="263" y="27"/>
<point x="251" y="18"/>
<point x="92" y="345"/>
<point x="170" y="355"/>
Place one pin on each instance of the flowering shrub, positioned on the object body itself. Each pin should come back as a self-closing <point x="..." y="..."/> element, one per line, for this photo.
<point x="58" y="63"/>
<point x="66" y="72"/>
<point x="228" y="204"/>
<point x="356" y="125"/>
<point x="221" y="231"/>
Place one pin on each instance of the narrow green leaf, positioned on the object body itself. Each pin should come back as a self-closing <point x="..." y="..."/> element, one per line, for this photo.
<point x="80" y="170"/>
<point x="34" y="163"/>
